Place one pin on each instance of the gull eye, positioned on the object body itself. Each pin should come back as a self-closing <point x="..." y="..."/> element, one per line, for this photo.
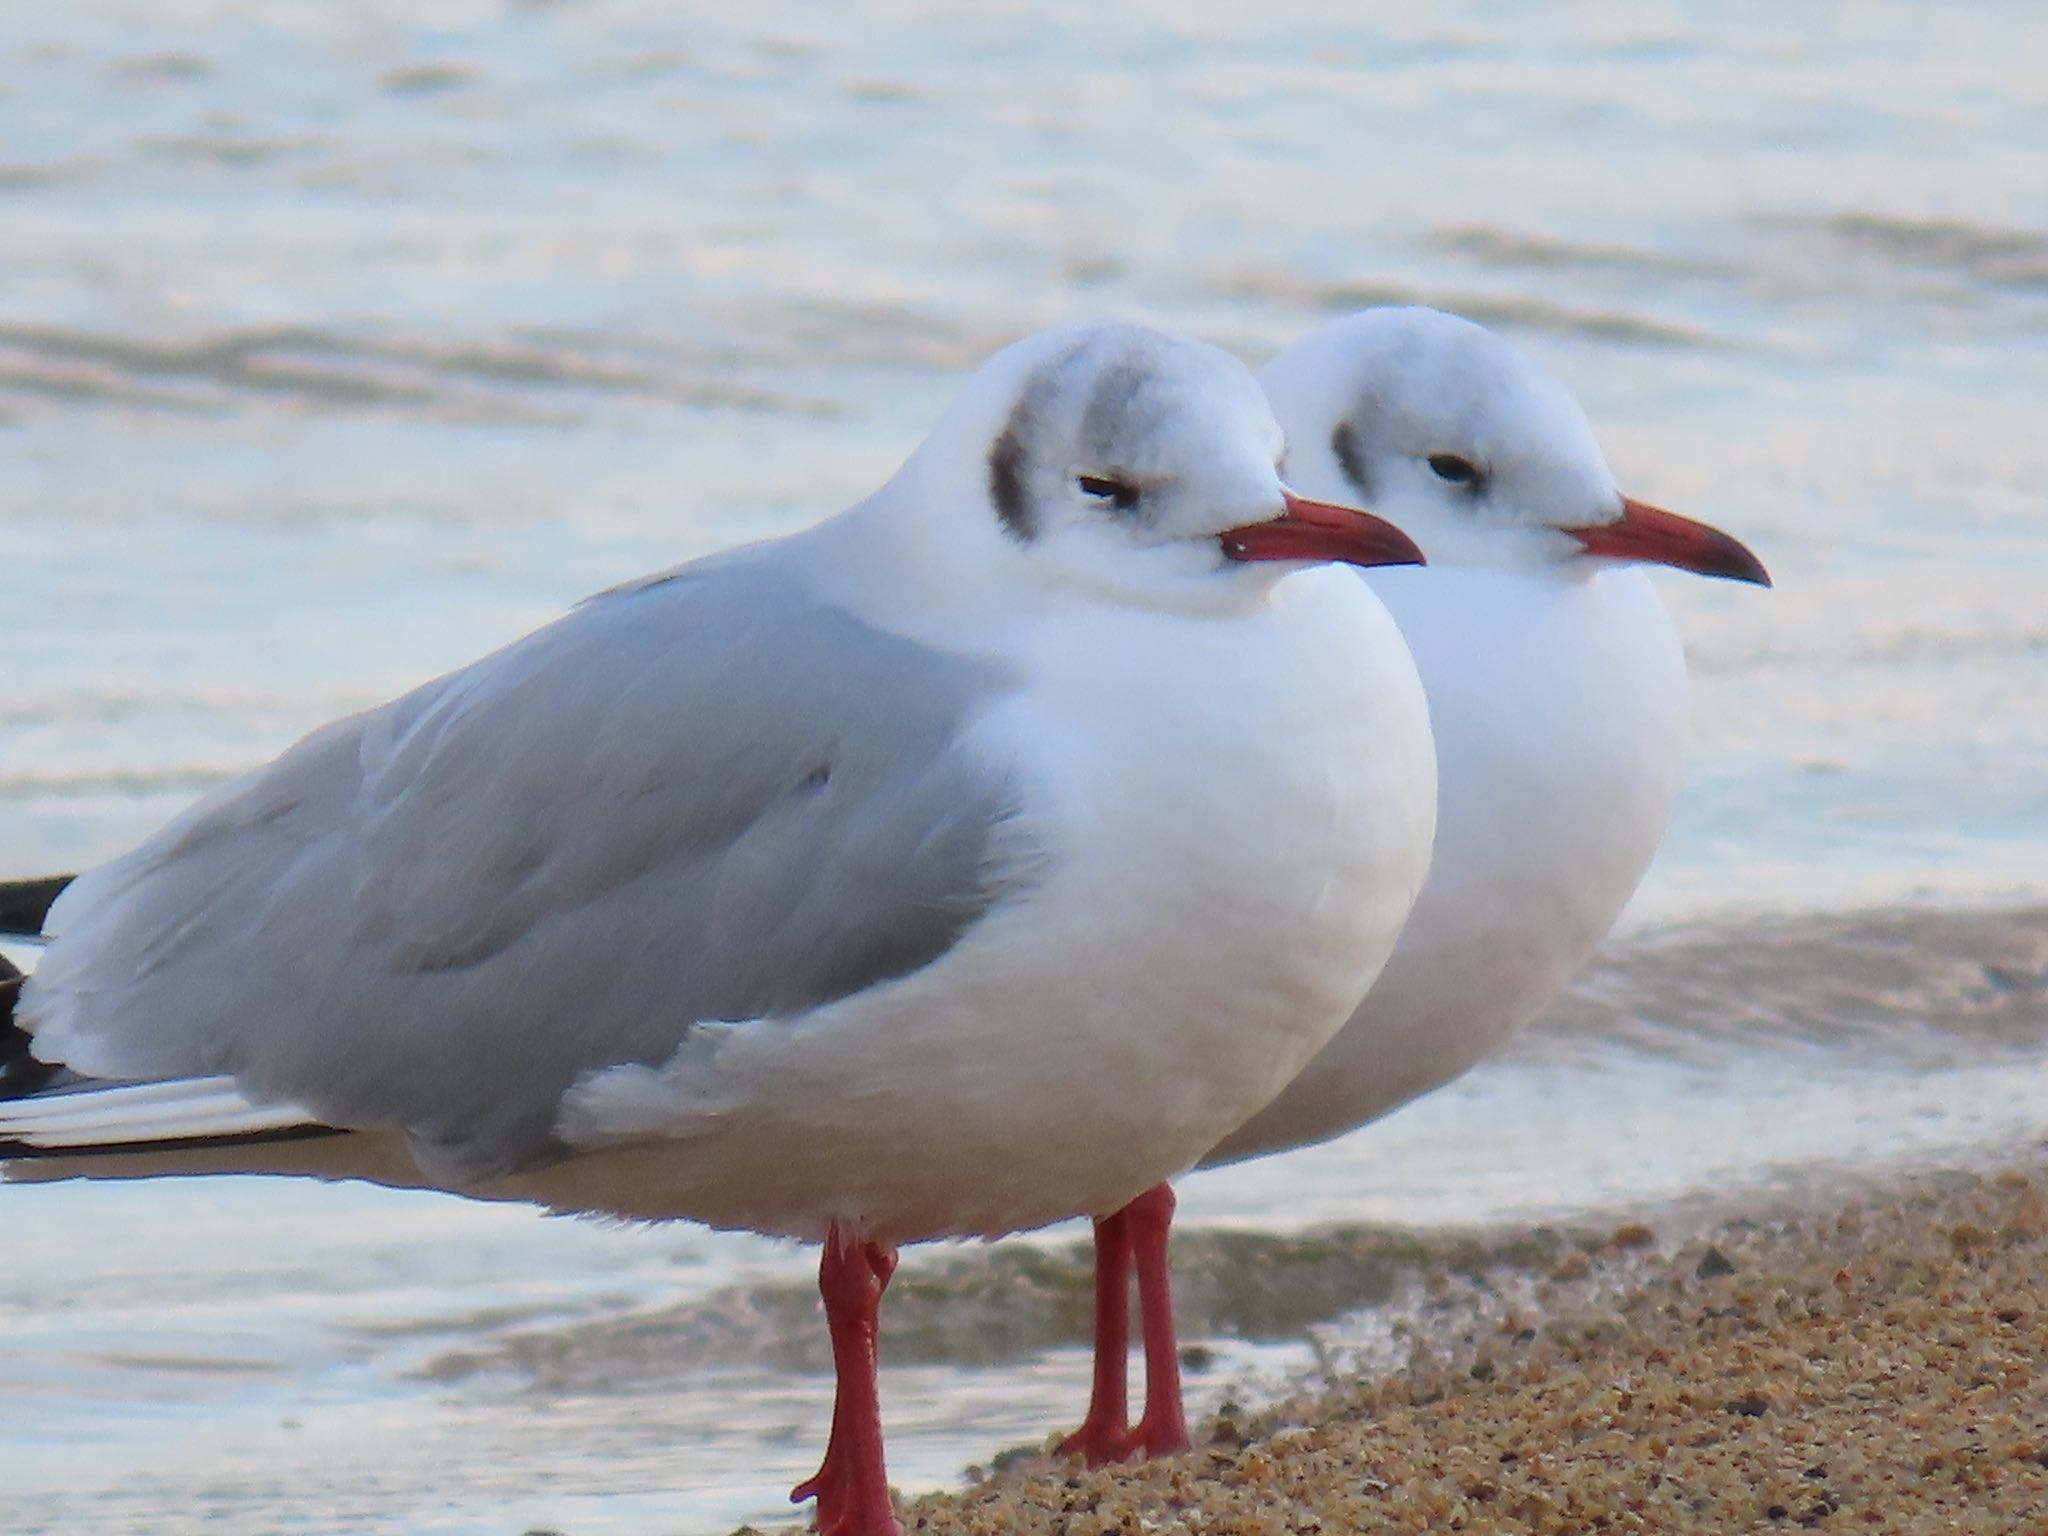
<point x="1449" y="467"/>
<point x="1120" y="494"/>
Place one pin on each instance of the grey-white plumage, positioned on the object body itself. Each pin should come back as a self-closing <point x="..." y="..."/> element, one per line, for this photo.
<point x="971" y="860"/>
<point x="715" y="795"/>
<point x="966" y="861"/>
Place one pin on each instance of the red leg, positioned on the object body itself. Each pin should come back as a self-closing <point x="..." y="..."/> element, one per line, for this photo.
<point x="1163" y="1430"/>
<point x="852" y="1485"/>
<point x="1101" y="1437"/>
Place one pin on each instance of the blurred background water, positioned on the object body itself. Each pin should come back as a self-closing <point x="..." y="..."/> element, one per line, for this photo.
<point x="341" y="343"/>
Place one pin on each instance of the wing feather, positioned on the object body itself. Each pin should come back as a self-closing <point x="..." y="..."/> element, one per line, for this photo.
<point x="709" y="797"/>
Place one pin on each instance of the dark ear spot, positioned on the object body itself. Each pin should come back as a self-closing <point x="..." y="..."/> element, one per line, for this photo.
<point x="1350" y="452"/>
<point x="1006" y="483"/>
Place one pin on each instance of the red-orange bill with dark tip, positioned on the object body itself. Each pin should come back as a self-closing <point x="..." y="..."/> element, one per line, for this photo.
<point x="1658" y="537"/>
<point x="1316" y="530"/>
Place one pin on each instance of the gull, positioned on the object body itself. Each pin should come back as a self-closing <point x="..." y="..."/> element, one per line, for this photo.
<point x="1557" y="695"/>
<point x="969" y="861"/>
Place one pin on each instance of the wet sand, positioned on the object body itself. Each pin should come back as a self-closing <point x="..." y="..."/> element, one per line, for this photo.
<point x="1874" y="1361"/>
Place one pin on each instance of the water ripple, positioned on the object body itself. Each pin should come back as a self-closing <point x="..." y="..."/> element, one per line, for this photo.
<point x="1523" y="311"/>
<point x="534" y="375"/>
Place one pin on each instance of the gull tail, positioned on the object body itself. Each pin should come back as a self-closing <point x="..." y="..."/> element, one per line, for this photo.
<point x="49" y="1113"/>
<point x="25" y="904"/>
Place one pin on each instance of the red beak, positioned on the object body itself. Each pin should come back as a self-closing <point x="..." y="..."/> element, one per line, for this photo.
<point x="1315" y="530"/>
<point x="1664" y="538"/>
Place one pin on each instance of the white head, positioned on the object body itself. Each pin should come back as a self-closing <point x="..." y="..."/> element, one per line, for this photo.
<point x="1129" y="462"/>
<point x="1441" y="427"/>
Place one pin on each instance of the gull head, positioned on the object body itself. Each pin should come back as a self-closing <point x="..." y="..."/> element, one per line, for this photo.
<point x="1443" y="428"/>
<point x="1140" y="465"/>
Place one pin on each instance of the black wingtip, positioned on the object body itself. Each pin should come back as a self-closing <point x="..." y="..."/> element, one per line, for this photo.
<point x="25" y="904"/>
<point x="20" y="1073"/>
<point x="26" y="1152"/>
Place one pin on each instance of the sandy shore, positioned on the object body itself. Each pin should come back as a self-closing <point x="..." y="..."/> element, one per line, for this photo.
<point x="1869" y="1363"/>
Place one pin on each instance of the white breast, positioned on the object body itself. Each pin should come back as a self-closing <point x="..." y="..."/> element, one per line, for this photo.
<point x="1215" y="889"/>
<point x="1559" y="714"/>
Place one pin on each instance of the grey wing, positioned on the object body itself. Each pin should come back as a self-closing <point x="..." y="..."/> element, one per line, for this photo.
<point x="712" y="797"/>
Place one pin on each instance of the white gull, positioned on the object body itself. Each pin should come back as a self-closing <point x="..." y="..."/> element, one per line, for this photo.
<point x="1557" y="695"/>
<point x="972" y="860"/>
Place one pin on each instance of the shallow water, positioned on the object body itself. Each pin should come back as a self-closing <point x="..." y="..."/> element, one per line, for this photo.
<point x="338" y="344"/>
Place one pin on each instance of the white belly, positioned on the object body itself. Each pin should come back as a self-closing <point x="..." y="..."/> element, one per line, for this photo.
<point x="1559" y="714"/>
<point x="1231" y="821"/>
